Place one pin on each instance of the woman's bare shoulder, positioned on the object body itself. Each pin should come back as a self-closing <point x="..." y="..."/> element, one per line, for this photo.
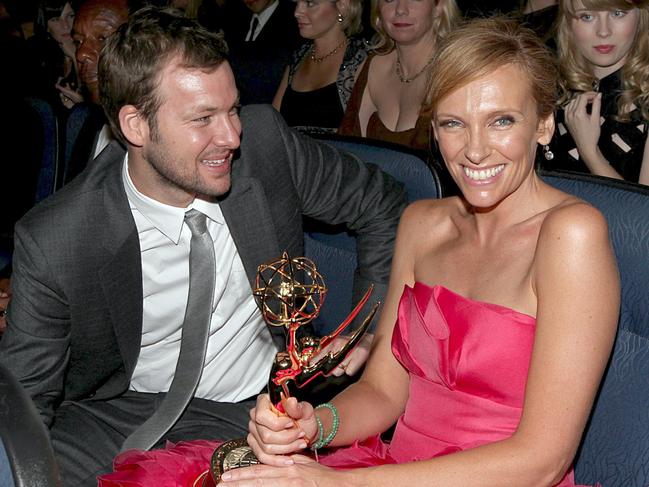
<point x="574" y="234"/>
<point x="574" y="218"/>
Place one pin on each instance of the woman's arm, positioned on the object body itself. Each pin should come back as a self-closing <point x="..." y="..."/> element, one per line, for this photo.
<point x="384" y="381"/>
<point x="277" y="100"/>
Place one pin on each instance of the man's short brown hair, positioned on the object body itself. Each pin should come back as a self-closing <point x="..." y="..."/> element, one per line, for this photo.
<point x="133" y="57"/>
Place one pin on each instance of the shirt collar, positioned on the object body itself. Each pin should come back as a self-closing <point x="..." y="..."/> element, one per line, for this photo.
<point x="265" y="15"/>
<point x="166" y="218"/>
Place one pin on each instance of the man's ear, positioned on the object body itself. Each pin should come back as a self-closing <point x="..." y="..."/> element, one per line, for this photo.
<point x="134" y="126"/>
<point x="546" y="130"/>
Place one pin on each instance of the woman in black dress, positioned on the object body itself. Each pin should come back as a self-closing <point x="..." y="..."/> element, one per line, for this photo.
<point x="604" y="56"/>
<point x="318" y="81"/>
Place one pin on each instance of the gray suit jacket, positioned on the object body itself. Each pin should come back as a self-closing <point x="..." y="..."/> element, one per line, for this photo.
<point x="75" y="319"/>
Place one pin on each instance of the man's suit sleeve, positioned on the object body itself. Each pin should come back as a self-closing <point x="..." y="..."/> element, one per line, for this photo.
<point x="336" y="187"/>
<point x="35" y="346"/>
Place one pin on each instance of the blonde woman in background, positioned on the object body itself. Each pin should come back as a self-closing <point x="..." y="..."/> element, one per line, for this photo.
<point x="604" y="55"/>
<point x="388" y="98"/>
<point x="318" y="82"/>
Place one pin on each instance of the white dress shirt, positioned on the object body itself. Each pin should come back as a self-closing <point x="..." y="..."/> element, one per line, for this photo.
<point x="240" y="349"/>
<point x="104" y="138"/>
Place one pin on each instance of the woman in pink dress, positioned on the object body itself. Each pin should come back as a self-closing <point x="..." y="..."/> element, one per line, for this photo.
<point x="505" y="302"/>
<point x="498" y="324"/>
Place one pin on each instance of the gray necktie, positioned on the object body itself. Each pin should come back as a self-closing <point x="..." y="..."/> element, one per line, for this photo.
<point x="194" y="338"/>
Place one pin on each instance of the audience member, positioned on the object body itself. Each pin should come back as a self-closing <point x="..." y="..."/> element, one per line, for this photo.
<point x="603" y="121"/>
<point x="52" y="52"/>
<point x="261" y="35"/>
<point x="96" y="20"/>
<point x="20" y="138"/>
<point x="387" y="102"/>
<point x="490" y="348"/>
<point x="318" y="81"/>
<point x="102" y="274"/>
<point x="541" y="16"/>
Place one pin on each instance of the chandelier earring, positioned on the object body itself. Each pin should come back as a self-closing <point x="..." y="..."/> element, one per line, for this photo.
<point x="547" y="153"/>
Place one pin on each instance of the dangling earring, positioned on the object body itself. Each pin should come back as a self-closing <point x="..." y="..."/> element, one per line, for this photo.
<point x="547" y="153"/>
<point x="340" y="18"/>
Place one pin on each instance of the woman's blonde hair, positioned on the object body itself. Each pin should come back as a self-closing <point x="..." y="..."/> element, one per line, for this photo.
<point x="351" y="23"/>
<point x="442" y="24"/>
<point x="577" y="73"/>
<point x="480" y="46"/>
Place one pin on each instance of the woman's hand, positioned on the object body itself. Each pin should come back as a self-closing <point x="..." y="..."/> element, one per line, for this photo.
<point x="69" y="97"/>
<point x="272" y="435"/>
<point x="585" y="127"/>
<point x="304" y="472"/>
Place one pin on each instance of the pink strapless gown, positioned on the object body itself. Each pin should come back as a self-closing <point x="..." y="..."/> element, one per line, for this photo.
<point x="467" y="362"/>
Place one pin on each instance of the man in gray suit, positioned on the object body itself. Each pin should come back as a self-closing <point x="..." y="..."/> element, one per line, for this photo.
<point x="101" y="277"/>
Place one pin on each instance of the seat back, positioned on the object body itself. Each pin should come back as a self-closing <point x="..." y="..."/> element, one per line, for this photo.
<point x="24" y="439"/>
<point x="332" y="249"/>
<point x="615" y="446"/>
<point x="6" y="475"/>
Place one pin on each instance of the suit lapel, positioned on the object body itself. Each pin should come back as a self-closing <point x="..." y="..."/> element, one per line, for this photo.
<point x="246" y="212"/>
<point x="121" y="276"/>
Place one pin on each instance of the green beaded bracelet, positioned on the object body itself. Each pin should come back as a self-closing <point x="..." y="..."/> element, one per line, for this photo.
<point x="320" y="433"/>
<point x="321" y="443"/>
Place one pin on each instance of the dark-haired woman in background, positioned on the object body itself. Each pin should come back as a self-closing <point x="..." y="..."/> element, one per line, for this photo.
<point x="53" y="74"/>
<point x="318" y="82"/>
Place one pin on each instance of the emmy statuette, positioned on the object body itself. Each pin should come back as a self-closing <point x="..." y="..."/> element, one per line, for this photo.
<point x="289" y="293"/>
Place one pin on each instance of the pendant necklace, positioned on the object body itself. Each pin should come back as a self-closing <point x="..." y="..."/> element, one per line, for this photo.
<point x="319" y="59"/>
<point x="403" y="78"/>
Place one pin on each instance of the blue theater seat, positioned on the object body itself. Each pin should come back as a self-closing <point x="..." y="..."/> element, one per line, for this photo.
<point x="615" y="447"/>
<point x="26" y="455"/>
<point x="332" y="249"/>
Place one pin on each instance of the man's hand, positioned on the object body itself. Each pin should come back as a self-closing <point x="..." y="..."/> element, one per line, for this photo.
<point x="355" y="360"/>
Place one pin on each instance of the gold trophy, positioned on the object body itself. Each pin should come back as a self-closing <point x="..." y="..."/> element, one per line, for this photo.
<point x="290" y="293"/>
